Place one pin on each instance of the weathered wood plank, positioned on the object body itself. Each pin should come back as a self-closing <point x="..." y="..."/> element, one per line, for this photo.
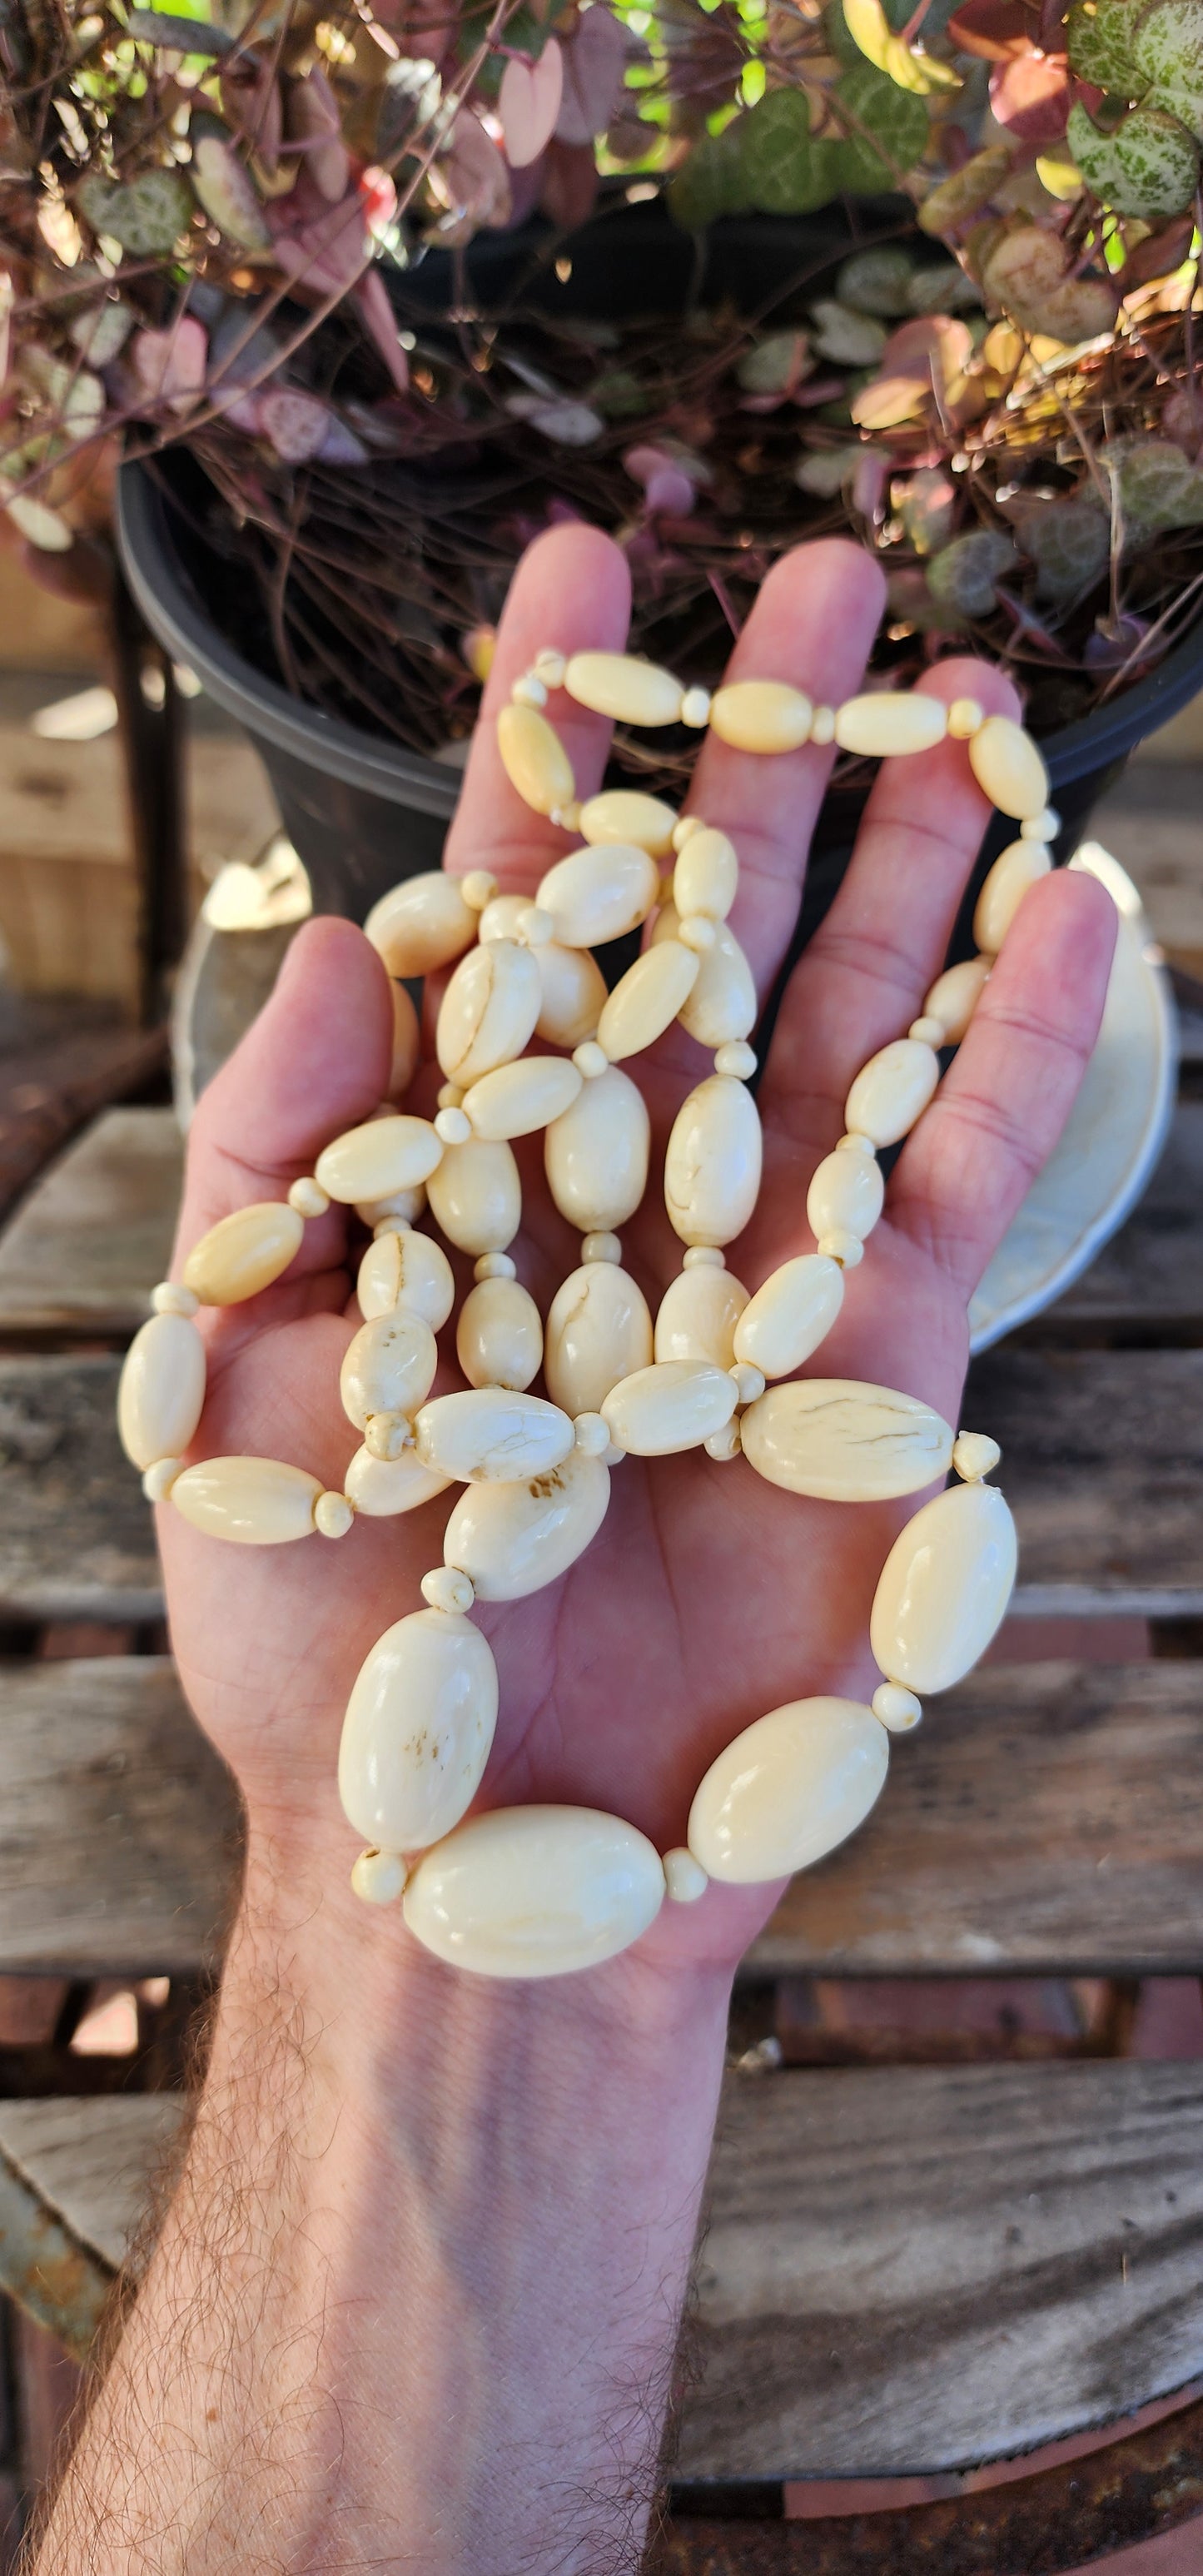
<point x="76" y="1536"/>
<point x="1148" y="1282"/>
<point x="93" y="2162"/>
<point x="119" y="1827"/>
<point x="94" y="1234"/>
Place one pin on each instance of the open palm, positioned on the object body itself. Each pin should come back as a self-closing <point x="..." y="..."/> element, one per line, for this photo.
<point x="708" y="1596"/>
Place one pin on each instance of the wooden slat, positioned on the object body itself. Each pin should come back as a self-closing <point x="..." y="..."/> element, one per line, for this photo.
<point x="93" y="1236"/>
<point x="1148" y="1281"/>
<point x="93" y="2162"/>
<point x="76" y="1536"/>
<point x="118" y="1824"/>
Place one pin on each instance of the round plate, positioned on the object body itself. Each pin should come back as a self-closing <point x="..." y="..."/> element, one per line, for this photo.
<point x="1114" y="1137"/>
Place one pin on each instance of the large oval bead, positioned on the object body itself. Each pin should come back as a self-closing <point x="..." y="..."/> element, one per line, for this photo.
<point x="598" y="893"/>
<point x="845" y="1443"/>
<point x="647" y="1000"/>
<point x="788" y="1790"/>
<point x="535" y="1891"/>
<point x="476" y="1196"/>
<point x="162" y="1392"/>
<point x="674" y="1405"/>
<point x="518" y="1099"/>
<point x="623" y="814"/>
<point x="712" y="1164"/>
<point x="1009" y="769"/>
<point x="790" y="1315"/>
<point x="487" y="1434"/>
<point x="697" y="1317"/>
<point x="534" y="759"/>
<point x="944" y="1588"/>
<point x="887" y="721"/>
<point x="621" y="686"/>
<point x="846" y="1195"/>
<point x="417" y="1731"/>
<point x="388" y="1368"/>
<point x="421" y="925"/>
<point x="512" y="1539"/>
<point x="761" y="715"/>
<point x="598" y="1331"/>
<point x="596" y="1155"/>
<point x="488" y="1012"/>
<point x="721" y="1007"/>
<point x="706" y="875"/>
<point x="260" y="1502"/>
<point x="574" y="994"/>
<point x="244" y="1253"/>
<point x="383" y="1155"/>
<point x="409" y="1270"/>
<point x="380" y="1487"/>
<point x="892" y="1090"/>
<point x="1014" y="872"/>
<point x="499" y="1336"/>
<point x="955" y="995"/>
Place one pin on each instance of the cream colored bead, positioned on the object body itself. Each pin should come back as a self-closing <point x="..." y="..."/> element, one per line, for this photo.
<point x="749" y="1382"/>
<point x="529" y="691"/>
<point x="535" y="926"/>
<point x="418" y="1729"/>
<point x="566" y="818"/>
<point x="598" y="1331"/>
<point x="487" y="1434"/>
<point x="965" y="717"/>
<point x="842" y="1442"/>
<point x="379" y="1878"/>
<point x="887" y="722"/>
<point x="452" y="1128"/>
<point x="975" y="1455"/>
<point x="447" y="1588"/>
<point x="676" y="1404"/>
<point x="822" y="726"/>
<point x="647" y="999"/>
<point x="601" y="1247"/>
<point x="843" y="1247"/>
<point x="1008" y="767"/>
<point x="244" y="1253"/>
<point x="590" y="1060"/>
<point x="488" y="1012"/>
<point x="695" y="708"/>
<point x="722" y="1006"/>
<point x="421" y="924"/>
<point x="703" y="1256"/>
<point x="684" y="1877"/>
<point x="495" y="1265"/>
<point x="619" y="685"/>
<point x="551" y="667"/>
<point x="926" y="1031"/>
<point x="706" y="875"/>
<point x="535" y="1892"/>
<point x="712" y="1163"/>
<point x="944" y="1588"/>
<point x="381" y="1487"/>
<point x="846" y="1194"/>
<point x="761" y="715"/>
<point x="599" y="893"/>
<point x="954" y="997"/>
<point x="407" y="1045"/>
<point x="685" y="824"/>
<point x="512" y="1539"/>
<point x="499" y="1336"/>
<point x="388" y="1368"/>
<point x="159" y="1479"/>
<point x="892" y="1091"/>
<point x="1041" y="827"/>
<point x="596" y="1155"/>
<point x="591" y="1435"/>
<point x="161" y="1395"/>
<point x="1019" y="867"/>
<point x="259" y="1502"/>
<point x="170" y="1299"/>
<point x="305" y="1197"/>
<point x="387" y="1436"/>
<point x="697" y="932"/>
<point x="790" y="1315"/>
<point x="406" y="1270"/>
<point x="534" y="759"/>
<point x="788" y="1790"/>
<point x="384" y="1155"/>
<point x="333" y="1515"/>
<point x="519" y="1099"/>
<point x="394" y="1208"/>
<point x="573" y="994"/>
<point x="737" y="1060"/>
<point x="450" y="1095"/>
<point x="698" y="1315"/>
<point x="896" y="1708"/>
<point x="853" y="1144"/>
<point x="476" y="1196"/>
<point x="501" y="917"/>
<point x="725" y="1444"/>
<point x="623" y="814"/>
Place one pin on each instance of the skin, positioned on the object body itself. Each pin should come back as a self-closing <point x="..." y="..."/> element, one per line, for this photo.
<point x="416" y="2299"/>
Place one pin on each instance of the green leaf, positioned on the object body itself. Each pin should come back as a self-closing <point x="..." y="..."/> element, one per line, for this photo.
<point x="223" y="185"/>
<point x="848" y="339"/>
<point x="1100" y="34"/>
<point x="893" y="119"/>
<point x="963" y="575"/>
<point x="712" y="180"/>
<point x="1069" y="543"/>
<point x="825" y="470"/>
<point x="775" y="364"/>
<point x="177" y="34"/>
<point x="785" y="172"/>
<point x="1153" y="486"/>
<point x="1168" y="46"/>
<point x="1149" y="166"/>
<point x="877" y="281"/>
<point x="146" y="215"/>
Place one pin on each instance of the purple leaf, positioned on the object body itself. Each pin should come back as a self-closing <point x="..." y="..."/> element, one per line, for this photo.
<point x="529" y="103"/>
<point x="594" y="63"/>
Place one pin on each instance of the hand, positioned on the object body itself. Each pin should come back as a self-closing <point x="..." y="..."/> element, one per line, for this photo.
<point x="709" y="1596"/>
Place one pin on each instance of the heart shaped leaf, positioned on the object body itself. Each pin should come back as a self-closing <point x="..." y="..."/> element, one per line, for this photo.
<point x="529" y="103"/>
<point x="963" y="194"/>
<point x="170" y="365"/>
<point x="225" y="190"/>
<point x="594" y="61"/>
<point x="1100" y="36"/>
<point x="888" y="132"/>
<point x="784" y="171"/>
<point x="876" y="281"/>
<point x="963" y="575"/>
<point x="145" y="215"/>
<point x="1168" y="50"/>
<point x="1149" y="166"/>
<point x="1153" y="486"/>
<point x="1069" y="542"/>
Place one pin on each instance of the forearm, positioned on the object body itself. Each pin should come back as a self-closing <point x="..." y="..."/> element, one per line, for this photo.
<point x="416" y="2299"/>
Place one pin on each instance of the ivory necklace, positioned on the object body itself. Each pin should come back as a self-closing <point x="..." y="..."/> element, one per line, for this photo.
<point x="535" y="1891"/>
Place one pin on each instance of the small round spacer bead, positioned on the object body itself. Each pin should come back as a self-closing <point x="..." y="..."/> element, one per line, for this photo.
<point x="550" y="667"/>
<point x="695" y="708"/>
<point x="898" y="1709"/>
<point x="684" y="825"/>
<point x="704" y="1256"/>
<point x="333" y="1515"/>
<point x="168" y="1299"/>
<point x="450" y="1097"/>
<point x="453" y="1127"/>
<point x="737" y="1059"/>
<point x="308" y="1198"/>
<point x="974" y="1455"/>
<point x="478" y="888"/>
<point x="387" y="1435"/>
<point x="965" y="718"/>
<point x="684" y="1877"/>
<point x="379" y="1877"/>
<point x="696" y="932"/>
<point x="567" y="818"/>
<point x="822" y="725"/>
<point x="535" y="926"/>
<point x="613" y="1456"/>
<point x="845" y="1248"/>
<point x="590" y="1059"/>
<point x="1041" y="827"/>
<point x="495" y="1265"/>
<point x="391" y="1225"/>
<point x="529" y="691"/>
<point x="854" y="1144"/>
<point x="601" y="1247"/>
<point x="592" y="1434"/>
<point x="724" y="1444"/>
<point x="159" y="1479"/>
<point x="928" y="1031"/>
<point x="445" y="1588"/>
<point x="749" y="1381"/>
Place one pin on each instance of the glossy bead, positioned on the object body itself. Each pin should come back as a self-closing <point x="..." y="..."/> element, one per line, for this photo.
<point x="379" y="1877"/>
<point x="761" y="715"/>
<point x="383" y="1155"/>
<point x="407" y="1044"/>
<point x="684" y="825"/>
<point x="725" y="1444"/>
<point x="573" y="994"/>
<point x="599" y="893"/>
<point x="388" y="1435"/>
<point x="927" y="1031"/>
<point x="822" y="726"/>
<point x="488" y="1434"/>
<point x="722" y="1005"/>
<point x="307" y="1199"/>
<point x="712" y="1163"/>
<point x="417" y="1731"/>
<point x="476" y="1196"/>
<point x="520" y="1099"/>
<point x="598" y="1331"/>
<point x="695" y="708"/>
<point x="703" y="1256"/>
<point x="789" y="1789"/>
<point x="896" y="1708"/>
<point x="596" y="1155"/>
<point x="1040" y="827"/>
<point x="737" y="1059"/>
<point x="381" y="1487"/>
<point x="501" y="916"/>
<point x="161" y="1395"/>
<point x="159" y="1479"/>
<point x="964" y="718"/>
<point x="684" y="1877"/>
<point x="845" y="1443"/>
<point x="388" y="1368"/>
<point x="697" y="1317"/>
<point x="499" y="1336"/>
<point x="488" y="1012"/>
<point x="944" y="1588"/>
<point x="1008" y="768"/>
<point x="841" y="1246"/>
<point x="244" y="1253"/>
<point x="591" y="1435"/>
<point x="1015" y="871"/>
<point x="529" y="690"/>
<point x="892" y="1091"/>
<point x="887" y="722"/>
<point x="392" y="1208"/>
<point x="534" y="759"/>
<point x="534" y="926"/>
<point x="749" y="1382"/>
<point x="695" y="930"/>
<point x="647" y="999"/>
<point x="623" y="814"/>
<point x="259" y="1502"/>
<point x="954" y="997"/>
<point x="619" y="685"/>
<point x="495" y="1265"/>
<point x="170" y="1298"/>
<point x="790" y="1315"/>
<point x="478" y="889"/>
<point x="333" y="1515"/>
<point x="451" y="1125"/>
<point x="975" y="1455"/>
<point x="535" y="1891"/>
<point x="706" y="875"/>
<point x="514" y="1538"/>
<point x="406" y="1270"/>
<point x="421" y="924"/>
<point x="601" y="1247"/>
<point x="590" y="1059"/>
<point x="677" y="1404"/>
<point x="447" y="1588"/>
<point x="551" y="667"/>
<point x="847" y="1193"/>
